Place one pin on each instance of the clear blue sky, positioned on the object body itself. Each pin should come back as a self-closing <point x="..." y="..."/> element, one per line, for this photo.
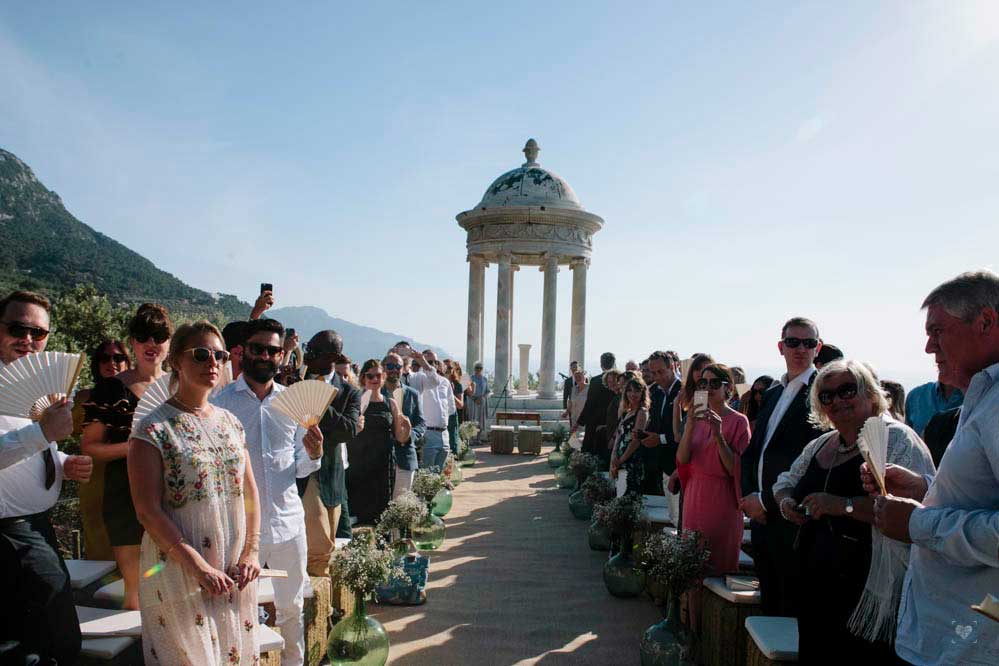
<point x="751" y="160"/>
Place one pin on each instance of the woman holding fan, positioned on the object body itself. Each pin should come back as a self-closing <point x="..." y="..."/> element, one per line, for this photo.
<point x="851" y="576"/>
<point x="195" y="494"/>
<point x="107" y="426"/>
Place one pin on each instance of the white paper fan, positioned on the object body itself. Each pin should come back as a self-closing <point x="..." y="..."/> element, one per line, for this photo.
<point x="306" y="401"/>
<point x="365" y="400"/>
<point x="873" y="445"/>
<point x="155" y="395"/>
<point x="33" y="382"/>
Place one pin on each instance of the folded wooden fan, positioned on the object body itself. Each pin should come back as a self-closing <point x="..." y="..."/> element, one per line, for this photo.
<point x="306" y="401"/>
<point x="873" y="445"/>
<point x="156" y="394"/>
<point x="33" y="382"/>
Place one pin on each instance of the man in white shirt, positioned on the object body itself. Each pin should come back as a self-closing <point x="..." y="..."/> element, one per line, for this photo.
<point x="280" y="452"/>
<point x="437" y="400"/>
<point x="37" y="608"/>
<point x="782" y="431"/>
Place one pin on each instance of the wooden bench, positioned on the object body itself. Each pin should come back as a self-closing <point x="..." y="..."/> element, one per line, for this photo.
<point x="723" y="616"/>
<point x="534" y="417"/>
<point x="771" y="640"/>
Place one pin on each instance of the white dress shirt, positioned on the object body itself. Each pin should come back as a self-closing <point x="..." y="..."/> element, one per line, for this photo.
<point x="22" y="484"/>
<point x="791" y="389"/>
<point x="436" y="396"/>
<point x="277" y="456"/>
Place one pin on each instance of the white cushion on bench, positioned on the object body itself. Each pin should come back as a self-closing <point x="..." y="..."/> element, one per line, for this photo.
<point x="654" y="500"/>
<point x="747" y="537"/>
<point x="504" y="428"/>
<point x="105" y="648"/>
<point x="657" y="514"/>
<point x="717" y="585"/>
<point x="776" y="637"/>
<point x="340" y="543"/>
<point x="112" y="592"/>
<point x="265" y="590"/>
<point x="270" y="640"/>
<point x="103" y="622"/>
<point x="745" y="561"/>
<point x="84" y="572"/>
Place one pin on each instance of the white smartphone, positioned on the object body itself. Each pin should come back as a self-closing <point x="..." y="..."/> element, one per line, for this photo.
<point x="700" y="401"/>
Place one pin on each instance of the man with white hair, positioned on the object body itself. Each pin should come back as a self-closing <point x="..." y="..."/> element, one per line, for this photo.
<point x="952" y="518"/>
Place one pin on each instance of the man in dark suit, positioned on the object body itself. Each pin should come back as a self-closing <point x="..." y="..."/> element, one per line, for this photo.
<point x="660" y="443"/>
<point x="594" y="411"/>
<point x="567" y="384"/>
<point x="406" y="463"/>
<point x="324" y="493"/>
<point x="782" y="431"/>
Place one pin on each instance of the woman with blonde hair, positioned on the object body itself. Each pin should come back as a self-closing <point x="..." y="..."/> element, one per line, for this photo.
<point x="851" y="575"/>
<point x="107" y="426"/>
<point x="195" y="494"/>
<point x="627" y="453"/>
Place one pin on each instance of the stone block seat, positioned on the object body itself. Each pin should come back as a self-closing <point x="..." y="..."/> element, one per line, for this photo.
<point x="83" y="573"/>
<point x="271" y="645"/>
<point x="529" y="439"/>
<point x="771" y="640"/>
<point x="317" y="612"/>
<point x="723" y="616"/>
<point x="502" y="439"/>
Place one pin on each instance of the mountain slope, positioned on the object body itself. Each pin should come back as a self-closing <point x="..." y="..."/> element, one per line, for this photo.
<point x="359" y="342"/>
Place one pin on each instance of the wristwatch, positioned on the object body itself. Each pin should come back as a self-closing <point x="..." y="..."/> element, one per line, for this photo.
<point x="849" y="506"/>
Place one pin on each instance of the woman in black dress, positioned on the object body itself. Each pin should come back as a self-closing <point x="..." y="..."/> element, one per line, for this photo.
<point x="627" y="453"/>
<point x="824" y="495"/>
<point x="107" y="426"/>
<point x="371" y="454"/>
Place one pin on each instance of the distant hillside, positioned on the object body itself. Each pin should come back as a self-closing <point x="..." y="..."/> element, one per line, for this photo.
<point x="45" y="248"/>
<point x="359" y="342"/>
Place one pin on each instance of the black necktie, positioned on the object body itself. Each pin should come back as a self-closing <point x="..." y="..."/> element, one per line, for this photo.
<point x="49" y="468"/>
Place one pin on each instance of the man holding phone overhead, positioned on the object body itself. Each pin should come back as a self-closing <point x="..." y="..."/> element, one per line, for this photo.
<point x="782" y="431"/>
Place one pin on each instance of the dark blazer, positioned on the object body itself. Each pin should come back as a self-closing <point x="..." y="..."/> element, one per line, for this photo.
<point x="405" y="454"/>
<point x="339" y="424"/>
<point x="598" y="397"/>
<point x="793" y="432"/>
<point x="661" y="423"/>
<point x="566" y="392"/>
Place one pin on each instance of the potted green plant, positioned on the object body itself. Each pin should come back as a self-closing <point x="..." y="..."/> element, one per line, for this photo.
<point x="582" y="466"/>
<point x="594" y="490"/>
<point x="677" y="561"/>
<point x="621" y="516"/>
<point x="468" y="431"/>
<point x="429" y="486"/>
<point x="564" y="476"/>
<point x="361" y="566"/>
<point x="560" y="435"/>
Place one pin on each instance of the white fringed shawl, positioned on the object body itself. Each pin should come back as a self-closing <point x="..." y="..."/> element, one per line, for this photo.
<point x="875" y="617"/>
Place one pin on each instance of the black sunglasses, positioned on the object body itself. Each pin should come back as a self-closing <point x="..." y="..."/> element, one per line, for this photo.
<point x="159" y="336"/>
<point x="714" y="383"/>
<point x="846" y="391"/>
<point x="257" y="349"/>
<point x="22" y="331"/>
<point x="794" y="343"/>
<point x="391" y="366"/>
<point x="108" y="358"/>
<point x="203" y="354"/>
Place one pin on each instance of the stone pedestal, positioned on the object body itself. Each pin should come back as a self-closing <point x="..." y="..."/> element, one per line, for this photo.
<point x="523" y="385"/>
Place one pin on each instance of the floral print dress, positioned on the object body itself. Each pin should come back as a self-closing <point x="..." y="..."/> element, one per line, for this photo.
<point x="203" y="467"/>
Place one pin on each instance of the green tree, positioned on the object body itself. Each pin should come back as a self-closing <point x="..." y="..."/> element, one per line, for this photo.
<point x="82" y="318"/>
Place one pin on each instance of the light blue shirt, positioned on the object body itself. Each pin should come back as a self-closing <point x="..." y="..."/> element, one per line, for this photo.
<point x="955" y="543"/>
<point x="277" y="455"/>
<point x="926" y="400"/>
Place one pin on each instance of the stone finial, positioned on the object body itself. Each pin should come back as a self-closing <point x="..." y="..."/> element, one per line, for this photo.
<point x="531" y="151"/>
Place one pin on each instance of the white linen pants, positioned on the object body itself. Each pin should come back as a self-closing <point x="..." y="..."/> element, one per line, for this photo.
<point x="289" y="594"/>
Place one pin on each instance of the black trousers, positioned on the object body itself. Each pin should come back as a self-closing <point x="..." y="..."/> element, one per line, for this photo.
<point x="36" y="600"/>
<point x="777" y="565"/>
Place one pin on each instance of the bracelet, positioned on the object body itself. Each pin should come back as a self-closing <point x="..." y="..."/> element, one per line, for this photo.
<point x="781" y="507"/>
<point x="175" y="544"/>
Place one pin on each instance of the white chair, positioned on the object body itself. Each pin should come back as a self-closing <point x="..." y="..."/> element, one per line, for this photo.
<point x="775" y="638"/>
<point x="84" y="572"/>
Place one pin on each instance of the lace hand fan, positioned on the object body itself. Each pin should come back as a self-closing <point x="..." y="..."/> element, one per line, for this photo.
<point x="306" y="401"/>
<point x="33" y="382"/>
<point x="873" y="445"/>
<point x="155" y="395"/>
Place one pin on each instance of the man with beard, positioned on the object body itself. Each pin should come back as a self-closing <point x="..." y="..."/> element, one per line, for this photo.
<point x="280" y="451"/>
<point x="324" y="494"/>
<point x="405" y="452"/>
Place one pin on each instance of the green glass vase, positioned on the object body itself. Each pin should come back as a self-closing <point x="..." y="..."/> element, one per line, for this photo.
<point x="579" y="507"/>
<point x="598" y="537"/>
<point x="564" y="477"/>
<point x="358" y="639"/>
<point x="620" y="575"/>
<point x="556" y="459"/>
<point x="441" y="504"/>
<point x="456" y="476"/>
<point x="428" y="534"/>
<point x="666" y="643"/>
<point x="468" y="459"/>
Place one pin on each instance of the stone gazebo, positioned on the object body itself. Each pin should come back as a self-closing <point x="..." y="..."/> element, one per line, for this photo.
<point x="528" y="217"/>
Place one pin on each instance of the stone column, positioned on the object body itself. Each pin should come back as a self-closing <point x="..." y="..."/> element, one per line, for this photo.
<point x="481" y="281"/>
<point x="504" y="303"/>
<point x="476" y="277"/>
<point x="513" y="274"/>
<point x="546" y="383"/>
<point x="524" y="385"/>
<point x="577" y="334"/>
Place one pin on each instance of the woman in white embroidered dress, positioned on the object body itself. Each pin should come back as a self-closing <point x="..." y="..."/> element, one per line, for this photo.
<point x="196" y="498"/>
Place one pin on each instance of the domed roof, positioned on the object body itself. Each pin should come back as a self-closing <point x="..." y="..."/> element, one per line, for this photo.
<point x="530" y="185"/>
